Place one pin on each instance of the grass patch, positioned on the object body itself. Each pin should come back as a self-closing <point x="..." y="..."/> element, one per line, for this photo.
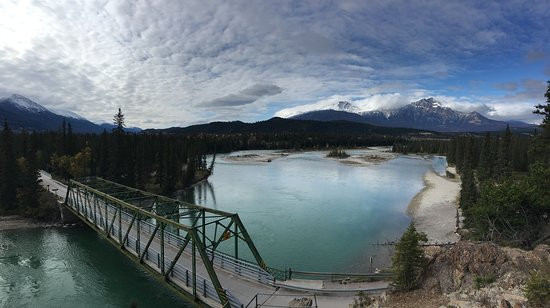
<point x="483" y="281"/>
<point x="537" y="289"/>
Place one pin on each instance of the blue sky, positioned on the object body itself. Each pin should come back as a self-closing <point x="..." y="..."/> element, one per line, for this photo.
<point x="174" y="63"/>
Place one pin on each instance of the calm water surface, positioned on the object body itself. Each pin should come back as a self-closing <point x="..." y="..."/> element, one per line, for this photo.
<point x="73" y="267"/>
<point x="308" y="212"/>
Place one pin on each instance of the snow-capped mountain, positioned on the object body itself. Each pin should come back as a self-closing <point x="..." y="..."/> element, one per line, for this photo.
<point x="336" y="106"/>
<point x="24" y="104"/>
<point x="426" y="113"/>
<point x="67" y="113"/>
<point x="23" y="113"/>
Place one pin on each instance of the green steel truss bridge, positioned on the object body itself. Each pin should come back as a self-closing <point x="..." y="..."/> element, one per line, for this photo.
<point x="195" y="250"/>
<point x="156" y="231"/>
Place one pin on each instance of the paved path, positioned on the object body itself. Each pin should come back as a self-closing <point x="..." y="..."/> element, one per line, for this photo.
<point x="241" y="288"/>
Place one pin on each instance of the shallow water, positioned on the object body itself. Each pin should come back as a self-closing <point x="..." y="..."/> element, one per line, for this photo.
<point x="308" y="212"/>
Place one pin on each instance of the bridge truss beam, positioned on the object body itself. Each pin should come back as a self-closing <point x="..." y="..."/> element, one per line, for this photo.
<point x="103" y="204"/>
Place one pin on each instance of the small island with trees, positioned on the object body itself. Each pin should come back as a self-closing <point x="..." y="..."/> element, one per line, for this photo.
<point x="338" y="153"/>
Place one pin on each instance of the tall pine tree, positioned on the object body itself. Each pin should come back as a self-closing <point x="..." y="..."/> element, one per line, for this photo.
<point x="8" y="171"/>
<point x="485" y="167"/>
<point x="408" y="260"/>
<point x="503" y="168"/>
<point x="540" y="150"/>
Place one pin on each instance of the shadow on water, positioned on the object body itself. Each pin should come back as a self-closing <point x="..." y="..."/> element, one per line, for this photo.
<point x="199" y="194"/>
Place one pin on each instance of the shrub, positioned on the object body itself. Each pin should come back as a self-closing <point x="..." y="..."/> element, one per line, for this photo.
<point x="361" y="300"/>
<point x="537" y="289"/>
<point x="482" y="281"/>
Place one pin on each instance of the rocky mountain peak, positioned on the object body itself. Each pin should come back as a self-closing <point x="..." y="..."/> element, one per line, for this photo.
<point x="427" y="103"/>
<point x="346" y="106"/>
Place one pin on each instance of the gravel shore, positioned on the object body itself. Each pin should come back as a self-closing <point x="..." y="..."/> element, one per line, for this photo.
<point x="13" y="222"/>
<point x="434" y="209"/>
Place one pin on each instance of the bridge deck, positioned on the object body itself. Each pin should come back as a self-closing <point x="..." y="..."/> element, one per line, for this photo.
<point x="241" y="282"/>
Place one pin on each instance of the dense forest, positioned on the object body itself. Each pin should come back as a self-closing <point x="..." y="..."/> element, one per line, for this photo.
<point x="155" y="162"/>
<point x="505" y="193"/>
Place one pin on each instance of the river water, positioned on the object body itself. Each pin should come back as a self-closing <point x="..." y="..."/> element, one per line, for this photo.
<point x="303" y="211"/>
<point x="307" y="212"/>
<point x="73" y="267"/>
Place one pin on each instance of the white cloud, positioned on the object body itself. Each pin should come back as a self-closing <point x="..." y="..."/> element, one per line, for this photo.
<point x="180" y="62"/>
<point x="245" y="96"/>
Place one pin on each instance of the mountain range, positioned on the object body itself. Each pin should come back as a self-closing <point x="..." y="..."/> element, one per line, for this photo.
<point x="426" y="114"/>
<point x="21" y="113"/>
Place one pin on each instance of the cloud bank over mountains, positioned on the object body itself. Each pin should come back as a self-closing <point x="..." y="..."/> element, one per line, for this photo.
<point x="515" y="105"/>
<point x="173" y="63"/>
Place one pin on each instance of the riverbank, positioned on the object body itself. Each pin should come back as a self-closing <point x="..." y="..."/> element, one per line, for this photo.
<point x="256" y="157"/>
<point x="14" y="222"/>
<point x="434" y="208"/>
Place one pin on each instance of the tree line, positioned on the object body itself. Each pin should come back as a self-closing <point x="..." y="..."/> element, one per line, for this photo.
<point x="154" y="162"/>
<point x="505" y="195"/>
<point x="20" y="190"/>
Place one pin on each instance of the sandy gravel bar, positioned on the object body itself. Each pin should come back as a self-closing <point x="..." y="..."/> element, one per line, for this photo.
<point x="434" y="209"/>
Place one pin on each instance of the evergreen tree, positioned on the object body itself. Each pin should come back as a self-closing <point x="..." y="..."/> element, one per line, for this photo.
<point x="169" y="171"/>
<point x="140" y="166"/>
<point x="468" y="191"/>
<point x="544" y="109"/>
<point x="117" y="162"/>
<point x="485" y="168"/>
<point x="451" y="154"/>
<point x="540" y="150"/>
<point x="63" y="137"/>
<point x="118" y="120"/>
<point x="103" y="159"/>
<point x="459" y="153"/>
<point x="70" y="140"/>
<point x="8" y="171"/>
<point x="408" y="262"/>
<point x="29" y="185"/>
<point x="503" y="168"/>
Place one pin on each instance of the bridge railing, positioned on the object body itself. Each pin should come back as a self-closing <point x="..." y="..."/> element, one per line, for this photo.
<point x="338" y="276"/>
<point x="227" y="262"/>
<point x="179" y="272"/>
<point x="253" y="271"/>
